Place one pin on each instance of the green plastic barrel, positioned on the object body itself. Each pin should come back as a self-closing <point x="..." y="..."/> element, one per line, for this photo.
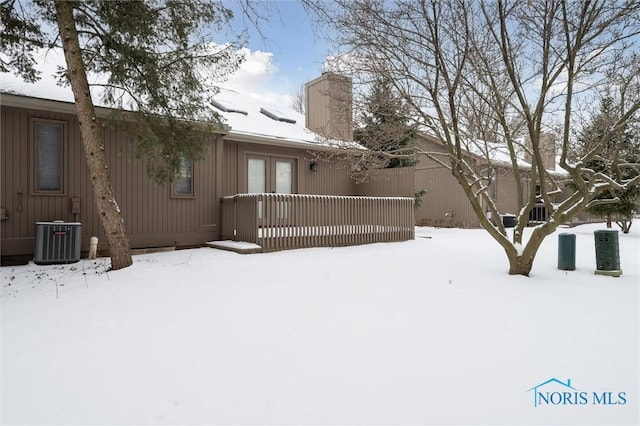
<point x="607" y="253"/>
<point x="567" y="252"/>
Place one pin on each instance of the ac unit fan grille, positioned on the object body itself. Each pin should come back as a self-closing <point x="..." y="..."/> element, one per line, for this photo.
<point x="57" y="242"/>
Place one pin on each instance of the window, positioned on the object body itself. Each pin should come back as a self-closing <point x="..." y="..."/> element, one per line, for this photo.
<point x="183" y="185"/>
<point x="48" y="155"/>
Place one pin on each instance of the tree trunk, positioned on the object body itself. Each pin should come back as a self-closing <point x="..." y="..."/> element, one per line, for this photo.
<point x="625" y="225"/>
<point x="92" y="140"/>
<point x="520" y="265"/>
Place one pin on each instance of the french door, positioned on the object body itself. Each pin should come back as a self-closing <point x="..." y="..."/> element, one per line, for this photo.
<point x="270" y="174"/>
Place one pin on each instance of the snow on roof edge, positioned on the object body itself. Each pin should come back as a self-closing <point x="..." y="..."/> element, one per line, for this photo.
<point x="304" y="138"/>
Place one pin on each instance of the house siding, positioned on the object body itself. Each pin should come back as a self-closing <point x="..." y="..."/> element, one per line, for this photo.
<point x="444" y="203"/>
<point x="152" y="217"/>
<point x="507" y="190"/>
<point x="328" y="106"/>
<point x="327" y="180"/>
<point x="394" y="182"/>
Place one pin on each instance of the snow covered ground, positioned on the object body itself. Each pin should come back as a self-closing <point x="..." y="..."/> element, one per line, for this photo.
<point x="430" y="331"/>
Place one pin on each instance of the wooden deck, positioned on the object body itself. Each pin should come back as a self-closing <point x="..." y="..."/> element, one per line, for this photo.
<point x="288" y="221"/>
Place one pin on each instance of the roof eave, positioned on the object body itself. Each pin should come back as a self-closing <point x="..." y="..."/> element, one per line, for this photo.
<point x="64" y="107"/>
<point x="270" y="140"/>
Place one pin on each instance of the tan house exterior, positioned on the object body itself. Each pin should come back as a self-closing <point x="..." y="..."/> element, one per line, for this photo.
<point x="260" y="150"/>
<point x="445" y="203"/>
<point x="276" y="149"/>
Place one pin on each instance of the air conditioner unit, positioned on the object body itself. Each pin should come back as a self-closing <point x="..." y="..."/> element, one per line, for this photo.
<point x="57" y="242"/>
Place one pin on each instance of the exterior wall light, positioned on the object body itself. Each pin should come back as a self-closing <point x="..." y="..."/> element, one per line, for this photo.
<point x="313" y="166"/>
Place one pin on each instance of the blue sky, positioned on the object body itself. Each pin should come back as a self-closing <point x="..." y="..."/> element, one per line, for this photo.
<point x="290" y="51"/>
<point x="297" y="46"/>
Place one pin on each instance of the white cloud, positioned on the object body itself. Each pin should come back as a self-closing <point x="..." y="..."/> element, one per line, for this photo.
<point x="257" y="77"/>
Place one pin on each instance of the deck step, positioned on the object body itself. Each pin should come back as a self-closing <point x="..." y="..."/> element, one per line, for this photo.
<point x="236" y="246"/>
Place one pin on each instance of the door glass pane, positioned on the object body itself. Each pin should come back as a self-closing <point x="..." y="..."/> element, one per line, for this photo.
<point x="256" y="175"/>
<point x="284" y="176"/>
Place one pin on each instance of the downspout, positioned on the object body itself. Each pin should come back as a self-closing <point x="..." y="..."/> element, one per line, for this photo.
<point x="219" y="176"/>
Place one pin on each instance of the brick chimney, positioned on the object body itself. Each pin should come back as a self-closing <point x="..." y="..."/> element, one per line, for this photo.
<point x="328" y="106"/>
<point x="547" y="150"/>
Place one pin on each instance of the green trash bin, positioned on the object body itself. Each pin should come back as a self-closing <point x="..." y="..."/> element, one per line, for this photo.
<point x="567" y="252"/>
<point x="607" y="253"/>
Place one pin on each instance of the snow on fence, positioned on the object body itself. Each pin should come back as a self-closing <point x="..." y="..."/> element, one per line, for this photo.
<point x="288" y="221"/>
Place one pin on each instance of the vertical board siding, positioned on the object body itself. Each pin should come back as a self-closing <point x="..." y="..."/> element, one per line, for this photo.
<point x="444" y="203"/>
<point x="230" y="177"/>
<point x="327" y="180"/>
<point x="317" y="101"/>
<point x="152" y="216"/>
<point x="7" y="197"/>
<point x="328" y="103"/>
<point x="507" y="193"/>
<point x="396" y="182"/>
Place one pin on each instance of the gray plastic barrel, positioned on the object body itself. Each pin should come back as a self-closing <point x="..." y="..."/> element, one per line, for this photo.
<point x="607" y="253"/>
<point x="567" y="252"/>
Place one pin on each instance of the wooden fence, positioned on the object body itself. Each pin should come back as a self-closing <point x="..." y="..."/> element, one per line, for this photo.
<point x="288" y="221"/>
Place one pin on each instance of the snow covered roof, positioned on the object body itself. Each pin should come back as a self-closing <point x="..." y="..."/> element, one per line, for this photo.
<point x="250" y="118"/>
<point x="246" y="119"/>
<point x="497" y="153"/>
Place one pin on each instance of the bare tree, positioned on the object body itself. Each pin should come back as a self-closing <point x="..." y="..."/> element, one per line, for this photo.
<point x="501" y="72"/>
<point x="297" y="99"/>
